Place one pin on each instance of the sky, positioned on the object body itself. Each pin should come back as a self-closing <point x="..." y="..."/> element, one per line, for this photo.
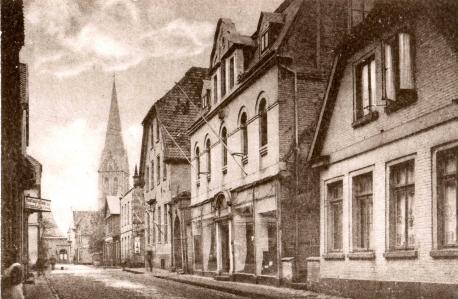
<point x="73" y="48"/>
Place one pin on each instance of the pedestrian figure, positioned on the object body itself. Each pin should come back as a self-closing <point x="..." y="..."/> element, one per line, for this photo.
<point x="40" y="265"/>
<point x="12" y="288"/>
<point x="52" y="260"/>
<point x="149" y="258"/>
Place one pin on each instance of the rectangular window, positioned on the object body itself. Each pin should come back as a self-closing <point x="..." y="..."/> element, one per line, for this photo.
<point x="158" y="169"/>
<point x="164" y="171"/>
<point x="158" y="130"/>
<point x="231" y="72"/>
<point x="402" y="195"/>
<point x="399" y="70"/>
<point x="154" y="225"/>
<point x="152" y="134"/>
<point x="148" y="225"/>
<point x="264" y="41"/>
<point x="447" y="178"/>
<point x="223" y="78"/>
<point x="159" y="225"/>
<point x="215" y="88"/>
<point x="362" y="211"/>
<point x="165" y="224"/>
<point x="334" y="203"/>
<point x="147" y="178"/>
<point x="152" y="174"/>
<point x="366" y="87"/>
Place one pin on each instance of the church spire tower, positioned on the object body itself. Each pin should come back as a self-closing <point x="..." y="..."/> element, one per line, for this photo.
<point x="114" y="166"/>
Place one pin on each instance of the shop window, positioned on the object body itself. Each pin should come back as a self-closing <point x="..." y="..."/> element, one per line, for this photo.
<point x="402" y="195"/>
<point x="447" y="179"/>
<point x="334" y="210"/>
<point x="197" y="229"/>
<point x="263" y="122"/>
<point x="399" y="88"/>
<point x="362" y="211"/>
<point x="266" y="242"/>
<point x="209" y="242"/>
<point x="244" y="240"/>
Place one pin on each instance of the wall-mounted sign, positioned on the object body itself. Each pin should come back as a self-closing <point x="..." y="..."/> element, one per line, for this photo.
<point x="37" y="204"/>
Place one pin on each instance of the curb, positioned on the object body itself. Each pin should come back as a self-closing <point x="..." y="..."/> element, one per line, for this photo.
<point x="222" y="288"/>
<point x="133" y="271"/>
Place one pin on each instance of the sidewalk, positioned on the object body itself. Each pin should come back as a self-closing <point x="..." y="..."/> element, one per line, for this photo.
<point x="236" y="288"/>
<point x="39" y="289"/>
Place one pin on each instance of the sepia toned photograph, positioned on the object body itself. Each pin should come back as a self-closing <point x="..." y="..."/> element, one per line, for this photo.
<point x="229" y="149"/>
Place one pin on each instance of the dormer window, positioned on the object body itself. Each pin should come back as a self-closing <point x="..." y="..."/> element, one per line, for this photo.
<point x="398" y="72"/>
<point x="366" y="87"/>
<point x="264" y="41"/>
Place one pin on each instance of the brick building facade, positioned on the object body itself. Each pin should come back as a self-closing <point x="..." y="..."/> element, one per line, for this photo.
<point x="165" y="167"/>
<point x="387" y="149"/>
<point x="255" y="215"/>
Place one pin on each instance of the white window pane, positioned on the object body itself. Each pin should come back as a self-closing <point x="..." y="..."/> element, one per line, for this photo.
<point x="450" y="213"/>
<point x="400" y="219"/>
<point x="372" y="84"/>
<point x="365" y="87"/>
<point x="389" y="73"/>
<point x="405" y="62"/>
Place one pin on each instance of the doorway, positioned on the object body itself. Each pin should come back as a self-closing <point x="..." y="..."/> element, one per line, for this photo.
<point x="225" y="243"/>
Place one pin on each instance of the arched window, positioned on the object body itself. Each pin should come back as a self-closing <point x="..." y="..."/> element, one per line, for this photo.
<point x="197" y="162"/>
<point x="244" y="132"/>
<point x="263" y="122"/>
<point x="209" y="163"/>
<point x="224" y="145"/>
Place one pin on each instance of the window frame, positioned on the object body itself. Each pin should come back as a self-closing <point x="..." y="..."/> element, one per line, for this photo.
<point x="243" y="125"/>
<point x="231" y="72"/>
<point x="359" y="101"/>
<point x="263" y="123"/>
<point x="152" y="174"/>
<point x="224" y="151"/>
<point x="402" y="96"/>
<point x="330" y="230"/>
<point x="264" y="41"/>
<point x="215" y="87"/>
<point x="158" y="170"/>
<point x="356" y="197"/>
<point x="208" y="154"/>
<point x="392" y="206"/>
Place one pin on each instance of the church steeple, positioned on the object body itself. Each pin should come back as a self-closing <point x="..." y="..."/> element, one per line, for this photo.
<point x="114" y="165"/>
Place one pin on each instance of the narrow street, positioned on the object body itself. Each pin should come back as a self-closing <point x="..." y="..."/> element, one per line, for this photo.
<point x="78" y="281"/>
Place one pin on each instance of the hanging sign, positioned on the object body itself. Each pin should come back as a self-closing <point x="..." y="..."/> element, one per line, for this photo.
<point x="37" y="204"/>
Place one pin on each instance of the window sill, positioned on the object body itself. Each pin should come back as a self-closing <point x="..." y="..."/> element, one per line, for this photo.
<point x="361" y="255"/>
<point x="405" y="98"/>
<point x="263" y="151"/>
<point x="244" y="160"/>
<point x="400" y="254"/>
<point x="449" y="253"/>
<point x="334" y="256"/>
<point x="372" y="116"/>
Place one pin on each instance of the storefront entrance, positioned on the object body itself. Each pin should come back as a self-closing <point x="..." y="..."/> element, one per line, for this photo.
<point x="225" y="243"/>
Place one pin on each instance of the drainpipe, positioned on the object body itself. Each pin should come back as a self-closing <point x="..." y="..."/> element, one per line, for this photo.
<point x="296" y="167"/>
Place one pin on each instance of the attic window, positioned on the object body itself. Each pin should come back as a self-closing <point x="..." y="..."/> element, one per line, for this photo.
<point x="264" y="41"/>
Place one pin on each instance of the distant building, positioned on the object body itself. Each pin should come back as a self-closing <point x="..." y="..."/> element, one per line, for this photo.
<point x="387" y="150"/>
<point x="81" y="232"/>
<point x="55" y="243"/>
<point x="132" y="224"/>
<point x="112" y="243"/>
<point x="165" y="169"/>
<point x="113" y="181"/>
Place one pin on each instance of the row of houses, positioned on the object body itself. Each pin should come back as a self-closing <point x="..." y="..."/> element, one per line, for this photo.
<point x="321" y="149"/>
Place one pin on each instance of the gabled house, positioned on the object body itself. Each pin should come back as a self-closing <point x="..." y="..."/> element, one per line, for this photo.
<point x="165" y="170"/>
<point x="255" y="216"/>
<point x="112" y="244"/>
<point x="84" y="226"/>
<point x="387" y="149"/>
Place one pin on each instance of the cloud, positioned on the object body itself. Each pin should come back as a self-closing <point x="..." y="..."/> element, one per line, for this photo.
<point x="70" y="37"/>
